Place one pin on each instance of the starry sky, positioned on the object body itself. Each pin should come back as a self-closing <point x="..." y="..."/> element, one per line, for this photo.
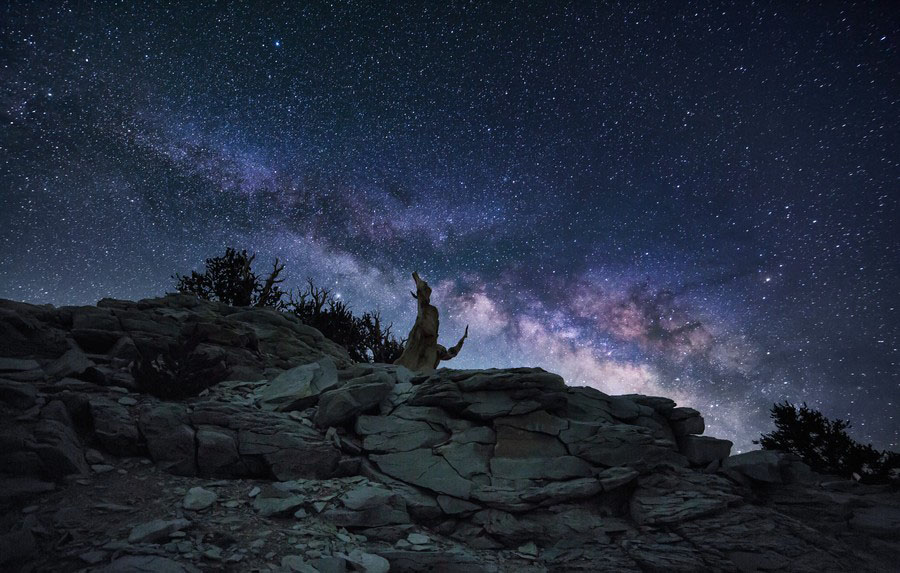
<point x="695" y="200"/>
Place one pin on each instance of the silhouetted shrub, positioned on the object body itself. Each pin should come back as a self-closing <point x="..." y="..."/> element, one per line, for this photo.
<point x="230" y="279"/>
<point x="824" y="444"/>
<point x="184" y="369"/>
<point x="365" y="339"/>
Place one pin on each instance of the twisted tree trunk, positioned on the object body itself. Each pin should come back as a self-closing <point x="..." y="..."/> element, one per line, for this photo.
<point x="422" y="352"/>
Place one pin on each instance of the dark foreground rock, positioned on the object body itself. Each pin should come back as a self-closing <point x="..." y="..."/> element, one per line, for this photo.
<point x="303" y="461"/>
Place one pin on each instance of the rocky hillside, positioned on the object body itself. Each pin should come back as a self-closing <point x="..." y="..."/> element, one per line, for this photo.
<point x="303" y="461"/>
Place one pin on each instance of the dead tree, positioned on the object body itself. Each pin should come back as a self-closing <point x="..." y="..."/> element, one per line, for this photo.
<point x="422" y="352"/>
<point x="270" y="283"/>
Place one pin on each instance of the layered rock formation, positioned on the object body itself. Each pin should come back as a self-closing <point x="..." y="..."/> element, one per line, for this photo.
<point x="370" y="466"/>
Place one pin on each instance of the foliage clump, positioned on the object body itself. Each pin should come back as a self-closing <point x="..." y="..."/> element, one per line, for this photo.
<point x="364" y="337"/>
<point x="182" y="370"/>
<point x="825" y="446"/>
<point x="230" y="279"/>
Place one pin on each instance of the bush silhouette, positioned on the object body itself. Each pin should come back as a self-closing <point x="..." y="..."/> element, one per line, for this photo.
<point x="182" y="370"/>
<point x="824" y="444"/>
<point x="230" y="279"/>
<point x="364" y="337"/>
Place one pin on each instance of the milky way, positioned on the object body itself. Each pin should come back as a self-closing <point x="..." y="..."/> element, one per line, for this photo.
<point x="690" y="200"/>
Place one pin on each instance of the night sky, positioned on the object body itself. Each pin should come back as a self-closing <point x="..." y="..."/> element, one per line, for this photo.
<point x="683" y="199"/>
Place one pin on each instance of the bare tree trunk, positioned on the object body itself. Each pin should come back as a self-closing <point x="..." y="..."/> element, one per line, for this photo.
<point x="422" y="352"/>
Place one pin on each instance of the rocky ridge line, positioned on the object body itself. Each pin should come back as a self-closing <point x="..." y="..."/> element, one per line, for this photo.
<point x="494" y="469"/>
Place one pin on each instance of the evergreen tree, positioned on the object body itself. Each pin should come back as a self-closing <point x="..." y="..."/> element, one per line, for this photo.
<point x="824" y="444"/>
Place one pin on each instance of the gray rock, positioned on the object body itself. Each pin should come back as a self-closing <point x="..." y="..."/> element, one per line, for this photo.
<point x="424" y="469"/>
<point x="615" y="445"/>
<point x="198" y="499"/>
<point x="92" y="456"/>
<point x="585" y="404"/>
<point x="343" y="404"/>
<point x="612" y="478"/>
<point x="22" y="488"/>
<point x="155" y="530"/>
<point x="670" y="555"/>
<point x="147" y="564"/>
<point x="367" y="562"/>
<point x="467" y="459"/>
<point x="296" y="563"/>
<point x="213" y="553"/>
<point x="759" y="465"/>
<point x="487" y="394"/>
<point x="685" y="421"/>
<point x="19" y="395"/>
<point x="418" y="539"/>
<point x="560" y="468"/>
<point x="72" y="363"/>
<point x="278" y="506"/>
<point x="453" y="506"/>
<point x="490" y="405"/>
<point x="663" y="509"/>
<point x="382" y="434"/>
<point x="217" y="452"/>
<point x="754" y="538"/>
<point x="516" y="443"/>
<point x="16" y="546"/>
<point x="701" y="450"/>
<point x="477" y="434"/>
<point x="879" y="521"/>
<point x="57" y="445"/>
<point x="538" y="421"/>
<point x="680" y="495"/>
<point x="530" y="497"/>
<point x="114" y="427"/>
<point x="369" y="506"/>
<point x="69" y="517"/>
<point x="18" y="364"/>
<point x="409" y="561"/>
<point x="93" y="557"/>
<point x="329" y="565"/>
<point x="268" y="443"/>
<point x="170" y="437"/>
<point x="299" y="387"/>
<point x="659" y="404"/>
<point x="659" y="428"/>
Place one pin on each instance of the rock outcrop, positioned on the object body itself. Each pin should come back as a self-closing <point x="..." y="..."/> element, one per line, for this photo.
<point x="371" y="467"/>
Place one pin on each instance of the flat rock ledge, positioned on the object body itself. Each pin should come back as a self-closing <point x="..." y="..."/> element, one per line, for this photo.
<point x="383" y="469"/>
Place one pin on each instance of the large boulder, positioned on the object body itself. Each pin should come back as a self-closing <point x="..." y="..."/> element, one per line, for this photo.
<point x="217" y="452"/>
<point x="383" y="434"/>
<point x="369" y="506"/>
<point x="685" y="421"/>
<point x="767" y="466"/>
<point x="170" y="438"/>
<point x="272" y="443"/>
<point x="676" y="495"/>
<point x="299" y="387"/>
<point x="19" y="395"/>
<point x="341" y="405"/>
<point x="115" y="427"/>
<point x="702" y="450"/>
<point x="72" y="363"/>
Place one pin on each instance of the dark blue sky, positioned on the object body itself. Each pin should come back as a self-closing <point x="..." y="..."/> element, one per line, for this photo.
<point x="687" y="199"/>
